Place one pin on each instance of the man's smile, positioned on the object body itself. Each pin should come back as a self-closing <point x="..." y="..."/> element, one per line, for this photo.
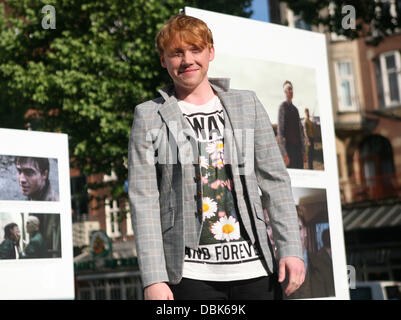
<point x="187" y="71"/>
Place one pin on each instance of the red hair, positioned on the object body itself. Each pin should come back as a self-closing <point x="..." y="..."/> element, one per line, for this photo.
<point x="185" y="29"/>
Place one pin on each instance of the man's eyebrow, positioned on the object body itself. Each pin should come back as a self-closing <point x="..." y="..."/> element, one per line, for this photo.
<point x="180" y="49"/>
<point x="176" y="49"/>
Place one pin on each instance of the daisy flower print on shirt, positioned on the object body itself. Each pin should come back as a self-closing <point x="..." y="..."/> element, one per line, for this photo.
<point x="209" y="207"/>
<point x="226" y="229"/>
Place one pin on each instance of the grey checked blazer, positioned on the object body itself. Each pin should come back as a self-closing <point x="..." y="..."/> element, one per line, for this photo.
<point x="163" y="183"/>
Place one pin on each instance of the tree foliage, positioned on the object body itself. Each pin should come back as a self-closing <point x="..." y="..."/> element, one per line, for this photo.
<point x="85" y="77"/>
<point x="375" y="19"/>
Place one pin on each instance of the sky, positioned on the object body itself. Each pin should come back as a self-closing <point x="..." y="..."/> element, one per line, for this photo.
<point x="260" y="10"/>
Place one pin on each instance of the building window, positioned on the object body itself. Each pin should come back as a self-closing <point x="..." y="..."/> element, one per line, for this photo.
<point x="79" y="198"/>
<point x="376" y="159"/>
<point x="388" y="77"/>
<point x="113" y="218"/>
<point x="345" y="86"/>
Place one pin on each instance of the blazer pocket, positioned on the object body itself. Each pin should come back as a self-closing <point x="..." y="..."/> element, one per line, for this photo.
<point x="167" y="220"/>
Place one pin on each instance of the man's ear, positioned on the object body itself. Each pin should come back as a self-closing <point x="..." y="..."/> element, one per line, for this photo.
<point x="211" y="53"/>
<point x="162" y="61"/>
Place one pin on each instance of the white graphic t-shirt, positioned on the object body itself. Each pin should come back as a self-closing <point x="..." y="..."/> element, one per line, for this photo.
<point x="224" y="252"/>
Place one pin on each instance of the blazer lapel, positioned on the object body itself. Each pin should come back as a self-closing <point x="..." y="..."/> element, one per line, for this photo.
<point x="232" y="129"/>
<point x="180" y="135"/>
<point x="173" y="116"/>
<point x="178" y="127"/>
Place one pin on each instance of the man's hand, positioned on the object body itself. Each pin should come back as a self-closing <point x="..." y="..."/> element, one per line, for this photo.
<point x="286" y="160"/>
<point x="158" y="291"/>
<point x="296" y="273"/>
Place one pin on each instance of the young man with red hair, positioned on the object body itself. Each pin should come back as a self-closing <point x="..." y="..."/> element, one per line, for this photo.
<point x="197" y="214"/>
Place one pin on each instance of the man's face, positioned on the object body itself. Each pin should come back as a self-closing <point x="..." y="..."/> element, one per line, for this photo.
<point x="30" y="227"/>
<point x="289" y="93"/>
<point x="187" y="64"/>
<point x="30" y="179"/>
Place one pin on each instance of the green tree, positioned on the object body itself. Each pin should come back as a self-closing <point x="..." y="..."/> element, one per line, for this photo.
<point x="374" y="19"/>
<point x="85" y="76"/>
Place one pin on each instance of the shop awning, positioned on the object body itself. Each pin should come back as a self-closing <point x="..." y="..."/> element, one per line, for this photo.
<point x="372" y="217"/>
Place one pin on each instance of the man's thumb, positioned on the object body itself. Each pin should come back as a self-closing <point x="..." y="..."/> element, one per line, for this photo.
<point x="281" y="272"/>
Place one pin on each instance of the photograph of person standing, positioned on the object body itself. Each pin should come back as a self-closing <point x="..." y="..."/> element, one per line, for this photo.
<point x="290" y="131"/>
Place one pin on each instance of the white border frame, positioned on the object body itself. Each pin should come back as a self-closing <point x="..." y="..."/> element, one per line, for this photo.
<point x="35" y="279"/>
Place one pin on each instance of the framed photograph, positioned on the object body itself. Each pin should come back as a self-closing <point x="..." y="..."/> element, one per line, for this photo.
<point x="296" y="124"/>
<point x="287" y="69"/>
<point x="36" y="254"/>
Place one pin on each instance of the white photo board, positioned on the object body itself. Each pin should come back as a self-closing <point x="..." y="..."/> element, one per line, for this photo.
<point x="36" y="253"/>
<point x="261" y="56"/>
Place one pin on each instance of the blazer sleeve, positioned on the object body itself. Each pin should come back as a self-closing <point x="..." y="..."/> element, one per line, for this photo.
<point x="275" y="185"/>
<point x="281" y="128"/>
<point x="144" y="200"/>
